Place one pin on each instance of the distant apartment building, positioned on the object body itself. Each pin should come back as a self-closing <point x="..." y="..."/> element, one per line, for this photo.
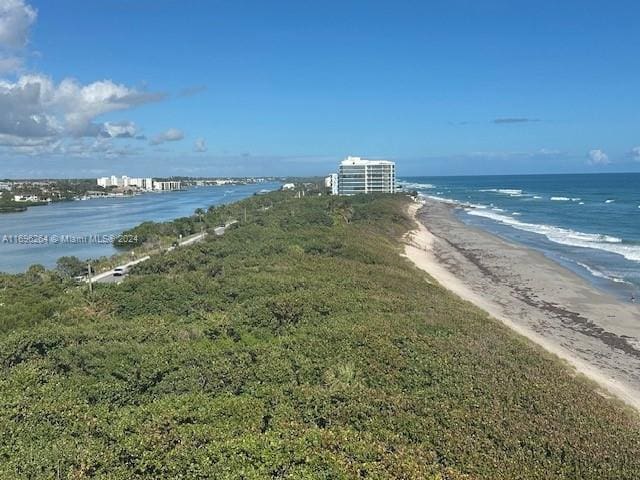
<point x="331" y="182"/>
<point x="166" y="186"/>
<point x="357" y="175"/>
<point x="111" y="181"/>
<point x="5" y="186"/>
<point x="142" y="183"/>
<point x="104" y="182"/>
<point x="125" y="182"/>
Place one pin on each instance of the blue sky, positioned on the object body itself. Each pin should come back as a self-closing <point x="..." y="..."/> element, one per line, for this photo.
<point x="290" y="87"/>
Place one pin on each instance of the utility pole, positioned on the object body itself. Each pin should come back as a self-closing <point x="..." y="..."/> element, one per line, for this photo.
<point x="90" y="278"/>
<point x="245" y="214"/>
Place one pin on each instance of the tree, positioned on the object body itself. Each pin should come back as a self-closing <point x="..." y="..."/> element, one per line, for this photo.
<point x="35" y="273"/>
<point x="71" y="266"/>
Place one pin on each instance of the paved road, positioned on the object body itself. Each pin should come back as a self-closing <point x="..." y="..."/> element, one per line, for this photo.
<point x="109" y="277"/>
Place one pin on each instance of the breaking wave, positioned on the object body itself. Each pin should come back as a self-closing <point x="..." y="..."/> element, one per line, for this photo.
<point x="599" y="274"/>
<point x="513" y="192"/>
<point x="565" y="236"/>
<point x="417" y="186"/>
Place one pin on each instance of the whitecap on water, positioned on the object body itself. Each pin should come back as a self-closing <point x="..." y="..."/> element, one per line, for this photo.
<point x="512" y="192"/>
<point x="417" y="186"/>
<point x="566" y="236"/>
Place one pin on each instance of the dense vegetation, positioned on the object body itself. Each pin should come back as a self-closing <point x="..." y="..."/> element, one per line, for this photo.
<point x="57" y="190"/>
<point x="9" y="205"/>
<point x="152" y="234"/>
<point x="298" y="345"/>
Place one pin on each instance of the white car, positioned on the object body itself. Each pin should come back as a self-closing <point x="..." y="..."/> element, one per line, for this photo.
<point x="120" y="271"/>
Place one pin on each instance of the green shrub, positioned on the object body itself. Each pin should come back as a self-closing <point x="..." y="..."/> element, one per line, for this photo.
<point x="298" y="345"/>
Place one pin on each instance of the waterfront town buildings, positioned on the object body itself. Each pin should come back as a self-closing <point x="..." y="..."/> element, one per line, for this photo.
<point x="147" y="184"/>
<point x="125" y="182"/>
<point x="357" y="175"/>
<point x="29" y="198"/>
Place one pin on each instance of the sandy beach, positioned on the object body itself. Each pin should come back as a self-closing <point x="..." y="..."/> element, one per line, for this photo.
<point x="594" y="332"/>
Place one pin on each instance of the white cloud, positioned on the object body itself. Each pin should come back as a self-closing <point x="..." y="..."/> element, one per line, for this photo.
<point x="200" y="145"/>
<point x="598" y="157"/>
<point x="82" y="103"/>
<point x="78" y="148"/>
<point x="170" y="135"/>
<point x="34" y="106"/>
<point x="635" y="153"/>
<point x="39" y="116"/>
<point x="101" y="147"/>
<point x="119" y="130"/>
<point x="550" y="151"/>
<point x="16" y="17"/>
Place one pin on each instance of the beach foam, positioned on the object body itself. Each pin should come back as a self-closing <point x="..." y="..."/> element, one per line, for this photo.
<point x="513" y="192"/>
<point x="417" y="186"/>
<point x="599" y="274"/>
<point x="565" y="236"/>
<point x="450" y="201"/>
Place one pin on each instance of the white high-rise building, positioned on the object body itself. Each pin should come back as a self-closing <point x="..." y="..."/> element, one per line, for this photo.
<point x="146" y="183"/>
<point x="125" y="182"/>
<point x="168" y="185"/>
<point x="104" y="182"/>
<point x="357" y="175"/>
<point x="141" y="183"/>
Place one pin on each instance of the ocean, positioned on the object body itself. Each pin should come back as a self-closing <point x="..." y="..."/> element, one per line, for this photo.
<point x="589" y="223"/>
<point x="101" y="216"/>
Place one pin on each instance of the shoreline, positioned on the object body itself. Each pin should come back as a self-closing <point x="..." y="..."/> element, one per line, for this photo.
<point x="96" y="219"/>
<point x="28" y="205"/>
<point x="532" y="295"/>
